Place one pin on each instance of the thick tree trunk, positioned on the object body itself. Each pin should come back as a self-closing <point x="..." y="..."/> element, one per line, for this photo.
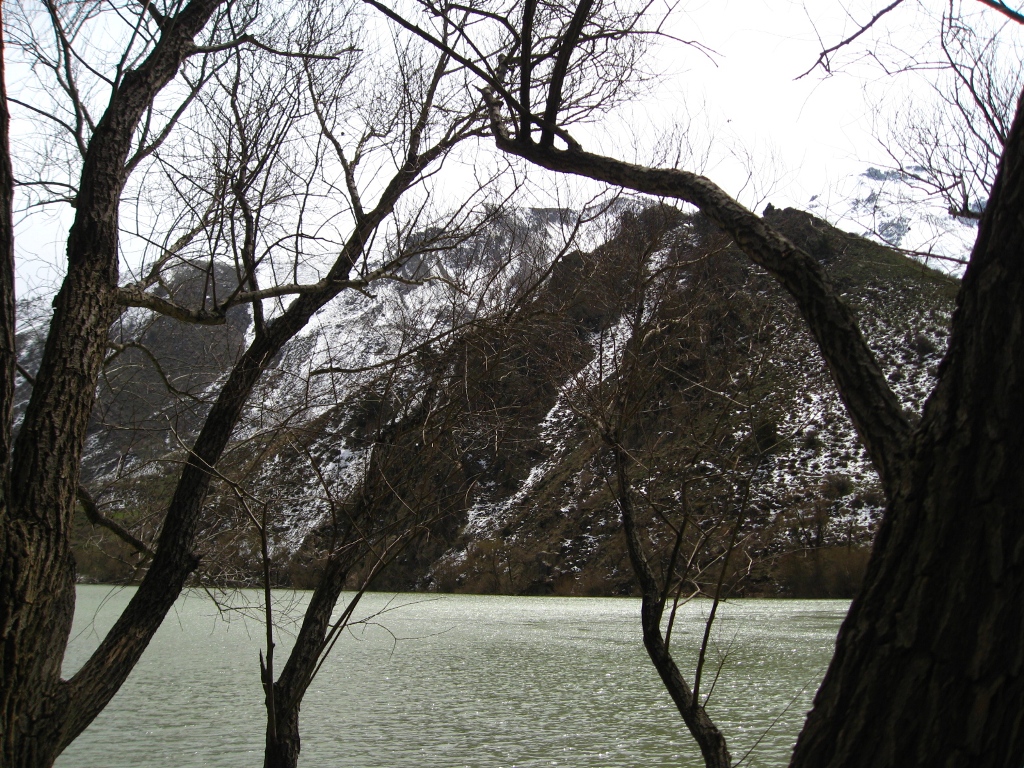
<point x="929" y="665"/>
<point x="8" y="354"/>
<point x="7" y="349"/>
<point x="282" y="749"/>
<point x="37" y="572"/>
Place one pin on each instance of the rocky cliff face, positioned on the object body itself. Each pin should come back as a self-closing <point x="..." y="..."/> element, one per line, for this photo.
<point x="471" y="402"/>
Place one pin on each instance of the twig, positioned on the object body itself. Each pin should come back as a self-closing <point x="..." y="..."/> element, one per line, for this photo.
<point x="823" y="56"/>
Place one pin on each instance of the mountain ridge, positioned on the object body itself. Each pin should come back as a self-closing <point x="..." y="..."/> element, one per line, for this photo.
<point x="489" y="421"/>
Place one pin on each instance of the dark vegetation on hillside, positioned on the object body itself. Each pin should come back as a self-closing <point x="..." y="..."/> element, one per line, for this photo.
<point x="480" y="464"/>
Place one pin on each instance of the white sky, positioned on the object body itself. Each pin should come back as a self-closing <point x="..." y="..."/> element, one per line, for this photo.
<point x="818" y="128"/>
<point x="808" y="137"/>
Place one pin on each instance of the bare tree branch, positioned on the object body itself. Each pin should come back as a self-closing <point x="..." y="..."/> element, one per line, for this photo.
<point x="132" y="296"/>
<point x="97" y="518"/>
<point x="1004" y="9"/>
<point x="823" y="57"/>
<point x="874" y="409"/>
<point x="566" y="47"/>
<point x="256" y="43"/>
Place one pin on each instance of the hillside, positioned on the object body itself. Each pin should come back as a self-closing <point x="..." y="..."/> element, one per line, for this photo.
<point x="458" y="415"/>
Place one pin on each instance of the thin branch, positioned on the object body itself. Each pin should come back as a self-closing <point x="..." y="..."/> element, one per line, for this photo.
<point x="97" y="518"/>
<point x="148" y="149"/>
<point x="119" y="349"/>
<point x="132" y="296"/>
<point x="1004" y="9"/>
<point x="25" y="374"/>
<point x="48" y="116"/>
<point x="247" y="39"/>
<point x="493" y="86"/>
<point x="823" y="57"/>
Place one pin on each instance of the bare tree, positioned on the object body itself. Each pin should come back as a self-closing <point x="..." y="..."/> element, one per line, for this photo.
<point x="956" y="153"/>
<point x="943" y="131"/>
<point x="926" y="669"/>
<point x="687" y="345"/>
<point x="948" y="148"/>
<point x="200" y="75"/>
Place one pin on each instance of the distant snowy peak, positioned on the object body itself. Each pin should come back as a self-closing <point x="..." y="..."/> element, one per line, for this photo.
<point x="893" y="208"/>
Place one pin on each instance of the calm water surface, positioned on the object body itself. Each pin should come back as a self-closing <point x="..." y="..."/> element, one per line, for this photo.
<point x="456" y="680"/>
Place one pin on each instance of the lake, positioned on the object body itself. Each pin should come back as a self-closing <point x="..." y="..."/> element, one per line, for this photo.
<point x="442" y="681"/>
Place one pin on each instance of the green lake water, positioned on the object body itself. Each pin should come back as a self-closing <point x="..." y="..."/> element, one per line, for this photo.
<point x="456" y="680"/>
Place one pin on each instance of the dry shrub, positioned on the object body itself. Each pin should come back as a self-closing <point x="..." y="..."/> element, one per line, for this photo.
<point x="830" y="572"/>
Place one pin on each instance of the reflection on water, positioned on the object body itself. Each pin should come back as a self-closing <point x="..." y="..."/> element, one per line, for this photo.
<point x="457" y="680"/>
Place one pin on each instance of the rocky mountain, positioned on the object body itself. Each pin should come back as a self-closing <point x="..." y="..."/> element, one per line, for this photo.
<point x="456" y="422"/>
<point x="892" y="208"/>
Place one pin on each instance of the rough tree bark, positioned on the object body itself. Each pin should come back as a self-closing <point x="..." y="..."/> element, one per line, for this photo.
<point x="37" y="570"/>
<point x="8" y="353"/>
<point x="929" y="665"/>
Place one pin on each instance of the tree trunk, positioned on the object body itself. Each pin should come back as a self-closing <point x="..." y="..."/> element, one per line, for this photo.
<point x="37" y="572"/>
<point x="929" y="664"/>
<point x="283" y="741"/>
<point x="8" y="353"/>
<point x="702" y="728"/>
<point x="282" y="750"/>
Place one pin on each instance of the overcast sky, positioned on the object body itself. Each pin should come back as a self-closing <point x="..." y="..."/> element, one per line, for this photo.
<point x="758" y="131"/>
<point x="806" y="140"/>
<point x="817" y="127"/>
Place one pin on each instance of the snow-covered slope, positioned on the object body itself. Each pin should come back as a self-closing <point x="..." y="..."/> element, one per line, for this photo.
<point x="470" y="394"/>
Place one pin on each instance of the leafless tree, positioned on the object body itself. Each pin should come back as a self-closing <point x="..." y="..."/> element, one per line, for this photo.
<point x="954" y="152"/>
<point x="946" y="149"/>
<point x="304" y="166"/>
<point x="943" y="131"/>
<point x="953" y="516"/>
<point x="685" y="346"/>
